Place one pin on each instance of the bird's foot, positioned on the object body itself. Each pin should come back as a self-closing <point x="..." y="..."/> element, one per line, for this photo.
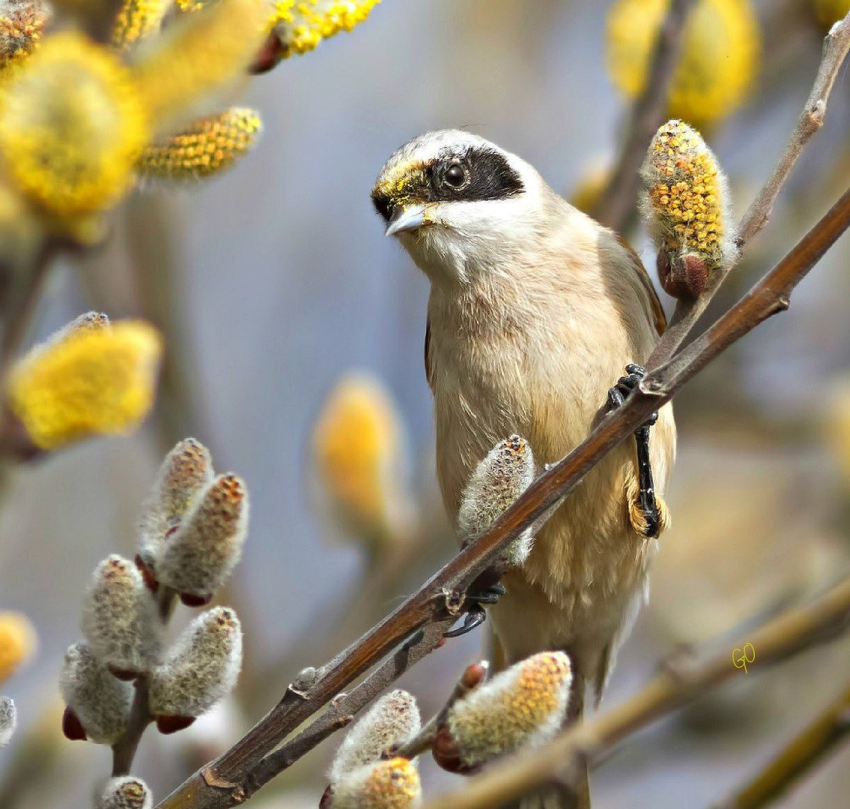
<point x="647" y="512"/>
<point x="477" y="598"/>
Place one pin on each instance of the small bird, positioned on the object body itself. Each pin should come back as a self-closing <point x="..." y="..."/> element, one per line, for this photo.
<point x="535" y="310"/>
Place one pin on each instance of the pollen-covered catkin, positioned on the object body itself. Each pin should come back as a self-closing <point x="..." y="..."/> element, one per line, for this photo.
<point x="201" y="668"/>
<point x="100" y="701"/>
<point x="496" y="483"/>
<point x="21" y="25"/>
<point x="207" y="147"/>
<point x="137" y="19"/>
<point x="301" y="25"/>
<point x="125" y="792"/>
<point x="184" y="473"/>
<point x="686" y="209"/>
<point x="520" y="707"/>
<point x="203" y="551"/>
<point x="392" y="784"/>
<point x="393" y="720"/>
<point x="18" y="641"/>
<point x="120" y="621"/>
<point x="8" y="720"/>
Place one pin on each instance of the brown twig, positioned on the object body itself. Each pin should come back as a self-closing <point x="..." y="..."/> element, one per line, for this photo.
<point x="785" y="636"/>
<point x="686" y="314"/>
<point x="617" y="202"/>
<point x="809" y="748"/>
<point x="443" y="594"/>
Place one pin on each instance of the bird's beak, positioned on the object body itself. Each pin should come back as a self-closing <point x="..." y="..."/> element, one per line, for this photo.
<point x="406" y="219"/>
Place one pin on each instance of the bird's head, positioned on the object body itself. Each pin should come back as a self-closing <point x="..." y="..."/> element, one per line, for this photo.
<point x="458" y="202"/>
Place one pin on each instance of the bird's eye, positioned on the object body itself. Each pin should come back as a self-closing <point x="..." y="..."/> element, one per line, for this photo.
<point x="455" y="176"/>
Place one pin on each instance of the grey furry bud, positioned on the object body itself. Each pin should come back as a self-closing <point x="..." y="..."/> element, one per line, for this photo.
<point x="202" y="553"/>
<point x="496" y="483"/>
<point x="119" y="619"/>
<point x="98" y="700"/>
<point x="125" y="792"/>
<point x="201" y="668"/>
<point x="8" y="720"/>
<point x="184" y="473"/>
<point x="392" y="720"/>
<point x="392" y="784"/>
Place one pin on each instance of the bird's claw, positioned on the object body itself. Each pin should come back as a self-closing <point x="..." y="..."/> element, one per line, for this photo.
<point x="476" y="614"/>
<point x="625" y="385"/>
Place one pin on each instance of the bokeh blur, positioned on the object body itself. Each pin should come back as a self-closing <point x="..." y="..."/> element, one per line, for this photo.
<point x="274" y="285"/>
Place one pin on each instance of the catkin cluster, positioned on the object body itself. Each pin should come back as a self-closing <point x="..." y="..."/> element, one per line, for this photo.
<point x="191" y="534"/>
<point x="686" y="209"/>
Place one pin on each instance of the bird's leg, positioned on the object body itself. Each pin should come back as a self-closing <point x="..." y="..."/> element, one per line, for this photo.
<point x="648" y="519"/>
<point x="485" y="590"/>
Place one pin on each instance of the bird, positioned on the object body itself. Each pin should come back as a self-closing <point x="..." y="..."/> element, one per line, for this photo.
<point x="534" y="312"/>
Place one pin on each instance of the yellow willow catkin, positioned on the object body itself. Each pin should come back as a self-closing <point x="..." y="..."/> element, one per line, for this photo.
<point x="301" y="25"/>
<point x="719" y="58"/>
<point x="71" y="126"/>
<point x="137" y="19"/>
<point x="206" y="147"/>
<point x="392" y="784"/>
<point x="94" y="381"/>
<point x="686" y="205"/>
<point x="18" y="641"/>
<point x="199" y="54"/>
<point x="21" y="25"/>
<point x="831" y="11"/>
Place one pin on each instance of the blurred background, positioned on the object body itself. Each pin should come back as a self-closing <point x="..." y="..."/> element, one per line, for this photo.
<point x="274" y="284"/>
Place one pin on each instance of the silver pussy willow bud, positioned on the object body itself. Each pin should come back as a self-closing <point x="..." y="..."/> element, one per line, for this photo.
<point x="522" y="706"/>
<point x="202" y="553"/>
<point x="184" y="473"/>
<point x="393" y="720"/>
<point x="392" y="784"/>
<point x="120" y="621"/>
<point x="201" y="668"/>
<point x="125" y="792"/>
<point x="100" y="703"/>
<point x="8" y="720"/>
<point x="496" y="483"/>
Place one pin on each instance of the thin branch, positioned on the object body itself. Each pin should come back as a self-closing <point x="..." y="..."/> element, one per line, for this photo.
<point x="790" y="634"/>
<point x="835" y="48"/>
<point x="806" y="750"/>
<point x="442" y="596"/>
<point x="617" y="202"/>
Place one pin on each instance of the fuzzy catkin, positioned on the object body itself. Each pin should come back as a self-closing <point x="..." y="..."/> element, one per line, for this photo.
<point x="520" y="707"/>
<point x="125" y="792"/>
<point x="100" y="701"/>
<point x="201" y="668"/>
<point x="120" y="621"/>
<point x="202" y="553"/>
<point x="184" y="473"/>
<point x="393" y="720"/>
<point x="392" y="784"/>
<point x="496" y="483"/>
<point x="301" y="25"/>
<point x="8" y="720"/>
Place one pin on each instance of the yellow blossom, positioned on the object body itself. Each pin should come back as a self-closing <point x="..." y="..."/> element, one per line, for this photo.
<point x="204" y="148"/>
<point x="71" y="126"/>
<point x="137" y="19"/>
<point x="356" y="449"/>
<point x="831" y="11"/>
<point x="17" y="642"/>
<point x="301" y="25"/>
<point x="199" y="54"/>
<point x="522" y="706"/>
<point x="392" y="784"/>
<point x="87" y="382"/>
<point x="687" y="198"/>
<point x="718" y="63"/>
<point x="21" y="26"/>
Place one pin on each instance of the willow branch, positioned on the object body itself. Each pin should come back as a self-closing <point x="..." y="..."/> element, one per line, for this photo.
<point x="442" y="596"/>
<point x="785" y="636"/>
<point x="806" y="750"/>
<point x="835" y="48"/>
<point x="617" y="202"/>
